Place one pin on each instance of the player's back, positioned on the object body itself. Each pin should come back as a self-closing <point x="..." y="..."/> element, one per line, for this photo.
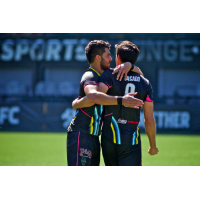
<point x="123" y="121"/>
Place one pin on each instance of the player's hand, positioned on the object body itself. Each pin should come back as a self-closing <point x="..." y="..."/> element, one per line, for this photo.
<point x="153" y="151"/>
<point x="122" y="70"/>
<point x="132" y="102"/>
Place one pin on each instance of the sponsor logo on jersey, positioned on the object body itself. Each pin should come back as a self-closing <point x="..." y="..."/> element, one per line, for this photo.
<point x="121" y="121"/>
<point x="85" y="153"/>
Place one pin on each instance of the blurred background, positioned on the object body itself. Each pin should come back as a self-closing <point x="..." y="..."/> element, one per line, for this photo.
<point x="40" y="75"/>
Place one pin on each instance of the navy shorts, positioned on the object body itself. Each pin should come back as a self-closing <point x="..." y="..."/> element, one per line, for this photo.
<point x="83" y="149"/>
<point x="120" y="155"/>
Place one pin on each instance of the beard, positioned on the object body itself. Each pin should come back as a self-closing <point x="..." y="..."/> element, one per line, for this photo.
<point x="103" y="64"/>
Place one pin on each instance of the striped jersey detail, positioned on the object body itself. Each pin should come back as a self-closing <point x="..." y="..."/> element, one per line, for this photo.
<point x="135" y="136"/>
<point x="85" y="113"/>
<point x="116" y="131"/>
<point x="99" y="120"/>
<point x="72" y="121"/>
<point x="77" y="148"/>
<point x="108" y="85"/>
<point x="148" y="99"/>
<point x="108" y="114"/>
<point x="95" y="121"/>
<point x="91" y="84"/>
<point x="91" y="126"/>
<point x="94" y="71"/>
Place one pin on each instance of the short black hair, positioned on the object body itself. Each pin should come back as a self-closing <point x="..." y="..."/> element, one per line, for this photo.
<point x="95" y="47"/>
<point x="127" y="51"/>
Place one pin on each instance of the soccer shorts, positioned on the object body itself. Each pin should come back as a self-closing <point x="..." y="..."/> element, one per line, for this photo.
<point x="83" y="149"/>
<point x="120" y="155"/>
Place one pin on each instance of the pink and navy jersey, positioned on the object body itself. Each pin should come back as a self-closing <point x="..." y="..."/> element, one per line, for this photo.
<point x="87" y="119"/>
<point x="120" y="123"/>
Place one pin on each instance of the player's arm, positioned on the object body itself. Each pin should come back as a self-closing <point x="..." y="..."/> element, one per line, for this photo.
<point x="150" y="127"/>
<point x="98" y="97"/>
<point x="93" y="96"/>
<point x="82" y="103"/>
<point x="124" y="68"/>
<point x="104" y="88"/>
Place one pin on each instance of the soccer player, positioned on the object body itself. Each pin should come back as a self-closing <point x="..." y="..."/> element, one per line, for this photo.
<point x="121" y="143"/>
<point x="83" y="147"/>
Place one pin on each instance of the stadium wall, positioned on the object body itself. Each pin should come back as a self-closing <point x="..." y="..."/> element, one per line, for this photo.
<point x="56" y="117"/>
<point x="171" y="62"/>
<point x="158" y="53"/>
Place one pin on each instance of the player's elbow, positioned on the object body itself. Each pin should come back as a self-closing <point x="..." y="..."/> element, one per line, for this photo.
<point x="74" y="106"/>
<point x="92" y="96"/>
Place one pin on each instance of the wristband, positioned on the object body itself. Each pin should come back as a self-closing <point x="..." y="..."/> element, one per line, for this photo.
<point x="132" y="67"/>
<point x="119" y="100"/>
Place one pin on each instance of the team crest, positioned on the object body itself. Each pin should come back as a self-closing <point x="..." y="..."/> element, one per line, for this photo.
<point x="83" y="161"/>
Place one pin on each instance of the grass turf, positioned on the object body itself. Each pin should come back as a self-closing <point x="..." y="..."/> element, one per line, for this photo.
<point x="49" y="149"/>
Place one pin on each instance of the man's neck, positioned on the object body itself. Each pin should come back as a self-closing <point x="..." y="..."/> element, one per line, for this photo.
<point x="97" y="68"/>
<point x="119" y="62"/>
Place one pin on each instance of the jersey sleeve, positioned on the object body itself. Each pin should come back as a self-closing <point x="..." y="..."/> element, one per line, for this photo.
<point x="149" y="95"/>
<point x="89" y="78"/>
<point x="106" y="78"/>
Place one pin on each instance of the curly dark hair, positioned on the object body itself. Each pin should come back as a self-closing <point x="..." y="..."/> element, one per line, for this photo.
<point x="95" y="47"/>
<point x="127" y="51"/>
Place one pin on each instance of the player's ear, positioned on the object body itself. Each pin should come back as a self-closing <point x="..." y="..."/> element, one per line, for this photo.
<point x="98" y="58"/>
<point x="118" y="58"/>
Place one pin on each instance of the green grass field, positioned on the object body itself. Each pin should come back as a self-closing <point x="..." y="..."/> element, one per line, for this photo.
<point x="49" y="149"/>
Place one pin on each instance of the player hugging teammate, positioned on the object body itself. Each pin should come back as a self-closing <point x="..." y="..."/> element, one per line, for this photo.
<point x="120" y="141"/>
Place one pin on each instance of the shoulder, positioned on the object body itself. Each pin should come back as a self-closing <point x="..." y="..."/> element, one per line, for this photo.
<point x="107" y="73"/>
<point x="87" y="75"/>
<point x="144" y="79"/>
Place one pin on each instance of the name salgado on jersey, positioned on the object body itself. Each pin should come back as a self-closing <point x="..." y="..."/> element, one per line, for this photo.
<point x="133" y="78"/>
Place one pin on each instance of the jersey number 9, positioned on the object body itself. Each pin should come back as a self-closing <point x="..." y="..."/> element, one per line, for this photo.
<point x="130" y="88"/>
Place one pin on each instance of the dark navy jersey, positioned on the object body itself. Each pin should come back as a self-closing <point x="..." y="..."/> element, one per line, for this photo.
<point x="120" y="123"/>
<point x="87" y="119"/>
